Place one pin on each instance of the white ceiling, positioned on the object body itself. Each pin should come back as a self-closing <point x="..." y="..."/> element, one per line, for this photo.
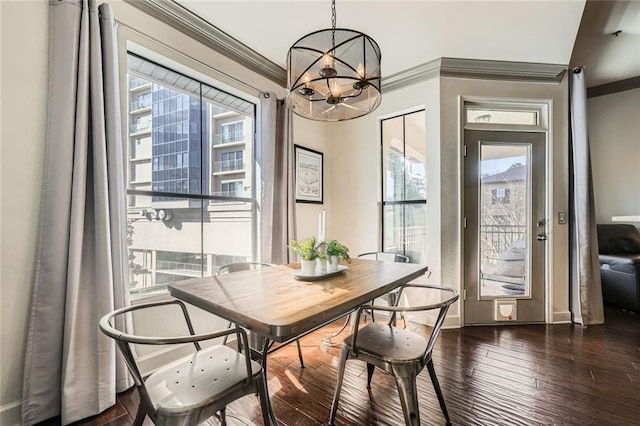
<point x="410" y="33"/>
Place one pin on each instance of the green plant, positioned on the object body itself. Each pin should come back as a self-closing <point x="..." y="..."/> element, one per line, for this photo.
<point x="307" y="249"/>
<point x="335" y="248"/>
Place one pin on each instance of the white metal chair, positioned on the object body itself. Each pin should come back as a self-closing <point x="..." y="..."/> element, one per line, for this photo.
<point x="194" y="388"/>
<point x="245" y="266"/>
<point x="397" y="351"/>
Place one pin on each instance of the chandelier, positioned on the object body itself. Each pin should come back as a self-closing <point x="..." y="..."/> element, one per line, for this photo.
<point x="333" y="74"/>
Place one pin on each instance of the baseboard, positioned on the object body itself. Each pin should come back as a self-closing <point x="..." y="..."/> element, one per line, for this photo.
<point x="11" y="413"/>
<point x="563" y="317"/>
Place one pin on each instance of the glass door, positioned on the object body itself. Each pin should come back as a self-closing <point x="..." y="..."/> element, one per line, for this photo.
<point x="505" y="227"/>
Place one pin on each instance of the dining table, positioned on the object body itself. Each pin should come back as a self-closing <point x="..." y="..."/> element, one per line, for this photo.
<point x="277" y="305"/>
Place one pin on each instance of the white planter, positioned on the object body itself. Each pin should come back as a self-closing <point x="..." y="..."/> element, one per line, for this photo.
<point x="321" y="266"/>
<point x="308" y="267"/>
<point x="332" y="265"/>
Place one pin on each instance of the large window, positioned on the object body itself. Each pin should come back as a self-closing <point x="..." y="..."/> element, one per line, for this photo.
<point x="185" y="215"/>
<point x="404" y="191"/>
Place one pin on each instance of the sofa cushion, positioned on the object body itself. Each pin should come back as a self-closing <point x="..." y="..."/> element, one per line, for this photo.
<point x="627" y="263"/>
<point x="618" y="238"/>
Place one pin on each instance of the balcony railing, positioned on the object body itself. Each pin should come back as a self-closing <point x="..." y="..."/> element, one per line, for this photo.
<point x="167" y="265"/>
<point x="495" y="239"/>
<point x="140" y="104"/>
<point x="140" y="127"/>
<point x="228" y="194"/>
<point x="225" y="138"/>
<point x="228" y="165"/>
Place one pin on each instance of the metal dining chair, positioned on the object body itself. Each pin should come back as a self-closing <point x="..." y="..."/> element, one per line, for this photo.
<point x="194" y="388"/>
<point x="397" y="351"/>
<point x="392" y="296"/>
<point x="245" y="266"/>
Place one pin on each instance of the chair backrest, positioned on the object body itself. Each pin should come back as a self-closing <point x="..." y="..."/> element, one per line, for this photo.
<point x="385" y="256"/>
<point x="241" y="266"/>
<point x="126" y="341"/>
<point x="618" y="238"/>
<point x="442" y="306"/>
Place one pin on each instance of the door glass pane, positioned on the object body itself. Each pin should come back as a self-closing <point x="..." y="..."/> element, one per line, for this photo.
<point x="504" y="211"/>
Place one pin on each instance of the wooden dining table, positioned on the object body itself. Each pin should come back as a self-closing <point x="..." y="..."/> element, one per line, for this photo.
<point x="276" y="306"/>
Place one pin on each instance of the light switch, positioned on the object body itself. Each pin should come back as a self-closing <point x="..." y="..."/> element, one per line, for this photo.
<point x="562" y="218"/>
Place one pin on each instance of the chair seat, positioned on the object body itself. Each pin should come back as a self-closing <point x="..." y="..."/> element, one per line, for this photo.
<point x="194" y="380"/>
<point x="389" y="343"/>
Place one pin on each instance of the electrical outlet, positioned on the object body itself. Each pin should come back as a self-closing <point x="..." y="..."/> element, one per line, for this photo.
<point x="562" y="218"/>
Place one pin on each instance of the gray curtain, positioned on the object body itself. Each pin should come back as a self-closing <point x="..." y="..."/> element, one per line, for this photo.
<point x="71" y="369"/>
<point x="275" y="160"/>
<point x="586" y="288"/>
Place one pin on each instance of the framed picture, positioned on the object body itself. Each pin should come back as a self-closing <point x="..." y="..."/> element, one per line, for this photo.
<point x="309" y="175"/>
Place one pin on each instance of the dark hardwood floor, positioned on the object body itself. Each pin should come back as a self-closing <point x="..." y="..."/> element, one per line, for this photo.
<point x="508" y="375"/>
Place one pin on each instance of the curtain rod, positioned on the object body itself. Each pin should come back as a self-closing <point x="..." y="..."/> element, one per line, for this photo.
<point x="189" y="57"/>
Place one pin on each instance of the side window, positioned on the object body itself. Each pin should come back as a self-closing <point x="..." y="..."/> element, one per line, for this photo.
<point x="404" y="189"/>
<point x="190" y="148"/>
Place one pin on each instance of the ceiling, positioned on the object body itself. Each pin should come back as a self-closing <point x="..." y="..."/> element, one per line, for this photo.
<point x="411" y="33"/>
<point x="607" y="57"/>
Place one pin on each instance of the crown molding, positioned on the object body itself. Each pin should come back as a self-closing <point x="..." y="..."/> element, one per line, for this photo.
<point x="192" y="25"/>
<point x="175" y="15"/>
<point x="475" y="68"/>
<point x="412" y="75"/>
<point x="502" y="70"/>
<point x="613" y="87"/>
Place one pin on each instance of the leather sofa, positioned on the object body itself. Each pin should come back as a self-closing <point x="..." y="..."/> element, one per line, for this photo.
<point x="619" y="249"/>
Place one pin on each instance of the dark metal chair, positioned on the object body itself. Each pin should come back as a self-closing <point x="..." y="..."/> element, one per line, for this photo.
<point x="194" y="388"/>
<point x="245" y="266"/>
<point x="392" y="296"/>
<point x="397" y="351"/>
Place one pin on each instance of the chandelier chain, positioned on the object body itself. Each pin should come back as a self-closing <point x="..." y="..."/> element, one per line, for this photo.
<point x="333" y="23"/>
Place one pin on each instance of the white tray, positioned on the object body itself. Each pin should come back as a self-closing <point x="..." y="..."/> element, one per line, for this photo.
<point x="297" y="274"/>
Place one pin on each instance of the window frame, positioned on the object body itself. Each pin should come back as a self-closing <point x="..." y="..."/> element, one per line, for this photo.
<point x="384" y="203"/>
<point x="205" y="195"/>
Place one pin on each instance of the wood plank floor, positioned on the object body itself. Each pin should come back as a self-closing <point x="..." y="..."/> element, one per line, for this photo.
<point x="508" y="375"/>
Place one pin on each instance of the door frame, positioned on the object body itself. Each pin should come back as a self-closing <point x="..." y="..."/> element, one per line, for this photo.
<point x="544" y="107"/>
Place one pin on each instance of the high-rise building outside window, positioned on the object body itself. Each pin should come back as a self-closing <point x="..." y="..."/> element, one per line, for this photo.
<point x="191" y="206"/>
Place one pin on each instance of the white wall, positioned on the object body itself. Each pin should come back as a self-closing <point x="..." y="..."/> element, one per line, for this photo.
<point x="614" y="129"/>
<point x="353" y="185"/>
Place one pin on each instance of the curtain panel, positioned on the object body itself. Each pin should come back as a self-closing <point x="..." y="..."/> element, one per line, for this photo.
<point x="586" y="288"/>
<point x="275" y="159"/>
<point x="71" y="369"/>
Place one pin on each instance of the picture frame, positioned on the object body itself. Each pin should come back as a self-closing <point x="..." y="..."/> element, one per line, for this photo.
<point x="309" y="175"/>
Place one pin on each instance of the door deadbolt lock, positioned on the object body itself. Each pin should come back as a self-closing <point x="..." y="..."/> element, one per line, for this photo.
<point x="541" y="237"/>
<point x="540" y="223"/>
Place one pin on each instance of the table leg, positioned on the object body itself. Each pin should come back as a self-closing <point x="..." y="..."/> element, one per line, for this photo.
<point x="259" y="347"/>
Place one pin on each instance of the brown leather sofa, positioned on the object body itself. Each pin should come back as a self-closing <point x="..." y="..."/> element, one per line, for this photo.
<point x="619" y="249"/>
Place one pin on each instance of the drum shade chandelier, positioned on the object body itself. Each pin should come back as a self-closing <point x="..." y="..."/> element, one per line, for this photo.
<point x="333" y="74"/>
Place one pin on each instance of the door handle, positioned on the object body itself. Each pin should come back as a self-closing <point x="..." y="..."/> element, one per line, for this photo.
<point x="541" y="237"/>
